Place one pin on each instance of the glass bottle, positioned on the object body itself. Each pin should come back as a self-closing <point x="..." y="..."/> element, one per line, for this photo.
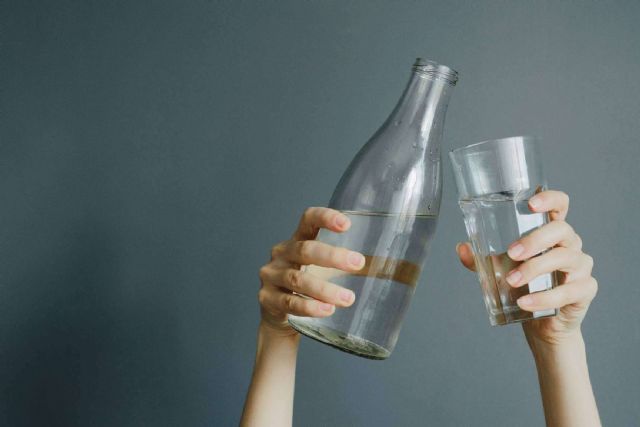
<point x="391" y="192"/>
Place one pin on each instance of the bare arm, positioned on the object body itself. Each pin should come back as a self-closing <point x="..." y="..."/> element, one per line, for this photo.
<point x="556" y="342"/>
<point x="566" y="391"/>
<point x="270" y="396"/>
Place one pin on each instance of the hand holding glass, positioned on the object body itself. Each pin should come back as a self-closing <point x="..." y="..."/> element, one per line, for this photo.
<point x="495" y="180"/>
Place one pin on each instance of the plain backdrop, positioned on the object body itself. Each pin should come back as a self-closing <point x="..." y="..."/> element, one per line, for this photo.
<point x="152" y="152"/>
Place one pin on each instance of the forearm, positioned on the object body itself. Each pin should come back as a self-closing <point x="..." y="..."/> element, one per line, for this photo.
<point x="270" y="397"/>
<point x="566" y="390"/>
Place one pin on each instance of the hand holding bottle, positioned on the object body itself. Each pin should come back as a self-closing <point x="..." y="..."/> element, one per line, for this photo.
<point x="282" y="276"/>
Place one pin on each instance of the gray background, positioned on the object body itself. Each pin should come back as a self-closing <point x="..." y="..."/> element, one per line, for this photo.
<point x="152" y="152"/>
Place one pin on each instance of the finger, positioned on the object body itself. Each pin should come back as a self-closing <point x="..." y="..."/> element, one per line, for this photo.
<point x="555" y="233"/>
<point x="577" y="265"/>
<point x="580" y="292"/>
<point x="280" y="301"/>
<point x="314" y="219"/>
<point x="306" y="283"/>
<point x="278" y="250"/>
<point x="313" y="252"/>
<point x="465" y="253"/>
<point x="554" y="202"/>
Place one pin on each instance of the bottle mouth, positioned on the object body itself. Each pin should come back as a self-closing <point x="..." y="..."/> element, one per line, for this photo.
<point x="432" y="69"/>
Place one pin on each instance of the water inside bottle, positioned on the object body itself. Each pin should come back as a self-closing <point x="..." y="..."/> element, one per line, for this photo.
<point x="395" y="247"/>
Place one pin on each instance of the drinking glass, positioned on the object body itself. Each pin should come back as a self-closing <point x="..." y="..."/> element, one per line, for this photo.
<point x="495" y="180"/>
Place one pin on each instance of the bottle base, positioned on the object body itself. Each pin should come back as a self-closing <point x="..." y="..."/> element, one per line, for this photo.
<point x="341" y="341"/>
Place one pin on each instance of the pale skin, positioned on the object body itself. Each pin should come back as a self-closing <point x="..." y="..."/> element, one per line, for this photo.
<point x="556" y="342"/>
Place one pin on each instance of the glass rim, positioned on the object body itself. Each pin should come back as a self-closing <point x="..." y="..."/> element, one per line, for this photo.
<point x="523" y="138"/>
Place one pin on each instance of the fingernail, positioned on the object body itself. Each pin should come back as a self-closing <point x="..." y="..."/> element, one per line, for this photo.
<point x="326" y="307"/>
<point x="458" y="248"/>
<point x="535" y="202"/>
<point x="341" y="221"/>
<point x="355" y="259"/>
<point x="514" y="277"/>
<point x="515" y="250"/>
<point x="346" y="296"/>
<point x="525" y="300"/>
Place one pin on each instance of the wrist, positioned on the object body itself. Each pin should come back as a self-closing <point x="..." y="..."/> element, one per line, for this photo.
<point x="270" y="398"/>
<point x="276" y="347"/>
<point x="271" y="333"/>
<point x="570" y="346"/>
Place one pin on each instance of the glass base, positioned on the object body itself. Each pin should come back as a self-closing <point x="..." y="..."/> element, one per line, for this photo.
<point x="518" y="316"/>
<point x="343" y="342"/>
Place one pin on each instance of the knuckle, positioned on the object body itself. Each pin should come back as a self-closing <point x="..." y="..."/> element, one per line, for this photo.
<point x="277" y="250"/>
<point x="564" y="225"/>
<point x="589" y="261"/>
<point x="528" y="268"/>
<point x="529" y="240"/>
<point x="568" y="296"/>
<point x="305" y="249"/>
<point x="593" y="284"/>
<point x="536" y="266"/>
<point x="550" y="298"/>
<point x="337" y="256"/>
<point x="327" y="216"/>
<point x="263" y="273"/>
<point x="559" y="299"/>
<point x="566" y="231"/>
<point x="578" y="241"/>
<point x="262" y="296"/>
<point x="307" y="307"/>
<point x="295" y="279"/>
<point x="308" y="214"/>
<point x="289" y="303"/>
<point x="562" y="256"/>
<point x="322" y="290"/>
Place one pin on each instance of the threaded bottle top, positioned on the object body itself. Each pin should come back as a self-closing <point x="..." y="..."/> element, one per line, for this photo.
<point x="433" y="70"/>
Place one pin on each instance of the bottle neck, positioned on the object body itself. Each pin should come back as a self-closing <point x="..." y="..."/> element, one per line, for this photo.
<point x="423" y="104"/>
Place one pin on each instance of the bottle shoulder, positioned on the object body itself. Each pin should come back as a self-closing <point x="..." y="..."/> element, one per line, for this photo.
<point x="395" y="176"/>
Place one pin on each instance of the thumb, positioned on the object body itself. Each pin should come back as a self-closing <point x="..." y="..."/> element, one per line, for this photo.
<point x="466" y="255"/>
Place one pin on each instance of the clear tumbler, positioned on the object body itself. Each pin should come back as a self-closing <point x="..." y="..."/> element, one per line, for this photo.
<point x="495" y="181"/>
